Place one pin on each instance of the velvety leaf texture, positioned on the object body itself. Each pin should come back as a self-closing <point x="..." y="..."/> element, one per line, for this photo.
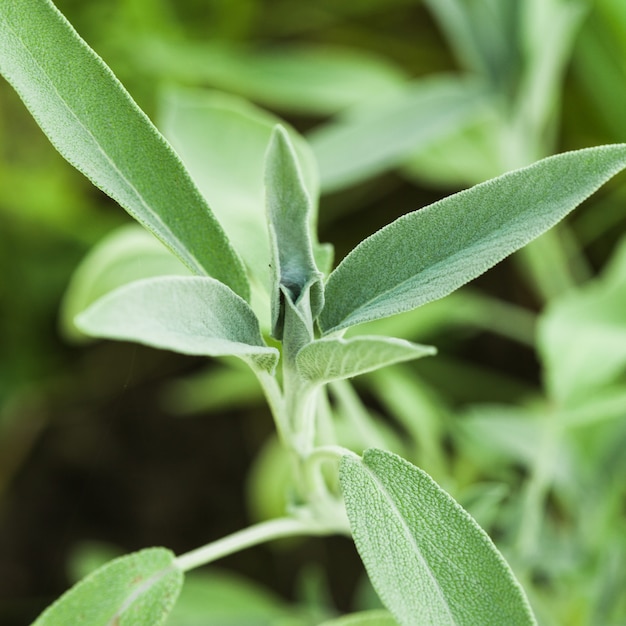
<point x="326" y="360"/>
<point x="93" y="122"/>
<point x="134" y="590"/>
<point x="427" y="558"/>
<point x="192" y="315"/>
<point x="288" y="209"/>
<point x="429" y="253"/>
<point x="127" y="254"/>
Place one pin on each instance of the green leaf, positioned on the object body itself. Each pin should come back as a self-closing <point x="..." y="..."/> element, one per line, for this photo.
<point x="326" y="360"/>
<point x="366" y="618"/>
<point x="308" y="79"/>
<point x="133" y="590"/>
<point x="426" y="557"/>
<point x="191" y="315"/>
<point x="93" y="122"/>
<point x="125" y="255"/>
<point x="220" y="598"/>
<point x="288" y="209"/>
<point x="483" y="35"/>
<point x="427" y="254"/>
<point x="376" y="136"/>
<point x="582" y="341"/>
<point x="548" y="30"/>
<point x="464" y="157"/>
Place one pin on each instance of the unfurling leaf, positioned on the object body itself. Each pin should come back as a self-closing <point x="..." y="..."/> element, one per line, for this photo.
<point x="288" y="209"/>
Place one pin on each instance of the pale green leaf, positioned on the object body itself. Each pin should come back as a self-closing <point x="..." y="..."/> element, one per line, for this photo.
<point x="326" y="360"/>
<point x="191" y="315"/>
<point x="126" y="254"/>
<point x="366" y="618"/>
<point x="93" y="122"/>
<point x="429" y="253"/>
<point x="288" y="209"/>
<point x="426" y="557"/>
<point x="464" y="157"/>
<point x="133" y="590"/>
<point x="548" y="29"/>
<point x="308" y="79"/>
<point x="223" y="140"/>
<point x="582" y="341"/>
<point x="483" y="35"/>
<point x="380" y="133"/>
<point x="220" y="598"/>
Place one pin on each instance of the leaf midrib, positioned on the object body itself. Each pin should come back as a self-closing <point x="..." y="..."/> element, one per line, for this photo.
<point x="136" y="593"/>
<point x="190" y="257"/>
<point x="407" y="531"/>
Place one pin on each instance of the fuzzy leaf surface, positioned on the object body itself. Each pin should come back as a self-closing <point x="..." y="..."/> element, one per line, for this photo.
<point x="94" y="123"/>
<point x="427" y="558"/>
<point x="127" y="254"/>
<point x="133" y="590"/>
<point x="326" y="360"/>
<point x="191" y="315"/>
<point x="288" y="209"/>
<point x="427" y="254"/>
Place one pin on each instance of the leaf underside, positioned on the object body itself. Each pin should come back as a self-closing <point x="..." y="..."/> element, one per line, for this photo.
<point x="191" y="315"/>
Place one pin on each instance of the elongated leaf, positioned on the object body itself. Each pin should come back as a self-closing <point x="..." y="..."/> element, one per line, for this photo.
<point x="125" y="255"/>
<point x="483" y="35"/>
<point x="93" y="122"/>
<point x="191" y="315"/>
<point x="426" y="557"/>
<point x="374" y="137"/>
<point x="133" y="590"/>
<point x="427" y="254"/>
<point x="326" y="360"/>
<point x="367" y="618"/>
<point x="288" y="209"/>
<point x="319" y="80"/>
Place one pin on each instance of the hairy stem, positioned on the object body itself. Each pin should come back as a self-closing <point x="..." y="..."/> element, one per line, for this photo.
<point x="251" y="536"/>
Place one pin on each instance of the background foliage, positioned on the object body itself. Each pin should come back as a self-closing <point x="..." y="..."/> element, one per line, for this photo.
<point x="520" y="416"/>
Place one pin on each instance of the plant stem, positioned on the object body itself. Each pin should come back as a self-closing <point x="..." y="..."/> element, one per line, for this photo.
<point x="248" y="537"/>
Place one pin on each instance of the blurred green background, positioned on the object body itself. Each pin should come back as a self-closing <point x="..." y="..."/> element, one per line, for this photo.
<point x="404" y="102"/>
